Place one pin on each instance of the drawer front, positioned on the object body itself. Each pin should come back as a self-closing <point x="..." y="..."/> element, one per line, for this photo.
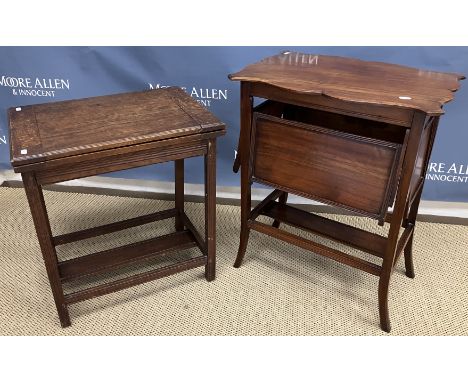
<point x="337" y="168"/>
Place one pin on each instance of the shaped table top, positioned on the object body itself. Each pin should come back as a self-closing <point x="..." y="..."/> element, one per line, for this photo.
<point x="354" y="80"/>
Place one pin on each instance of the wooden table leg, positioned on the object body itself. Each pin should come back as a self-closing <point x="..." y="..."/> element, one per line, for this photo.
<point x="282" y="200"/>
<point x="244" y="148"/>
<point x="44" y="235"/>
<point x="397" y="218"/>
<point x="413" y="212"/>
<point x="236" y="165"/>
<point x="210" y="210"/>
<point x="179" y="193"/>
<point x="408" y="250"/>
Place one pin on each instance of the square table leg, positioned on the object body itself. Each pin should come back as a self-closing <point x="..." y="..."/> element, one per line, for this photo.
<point x="179" y="193"/>
<point x="210" y="210"/>
<point x="44" y="235"/>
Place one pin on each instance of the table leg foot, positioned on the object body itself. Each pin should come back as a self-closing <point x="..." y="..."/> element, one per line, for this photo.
<point x="383" y="303"/>
<point x="210" y="273"/>
<point x="408" y="252"/>
<point x="64" y="316"/>
<point x="385" y="326"/>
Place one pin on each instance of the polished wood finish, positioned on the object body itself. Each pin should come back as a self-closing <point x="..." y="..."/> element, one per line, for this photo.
<point x="353" y="80"/>
<point x="308" y="157"/>
<point x="44" y="235"/>
<point x="114" y="227"/>
<point x="403" y="242"/>
<point x="130" y="281"/>
<point x="317" y="248"/>
<point x="115" y="121"/>
<point x="67" y="140"/>
<point x="260" y="207"/>
<point x="189" y="225"/>
<point x="245" y="165"/>
<point x="131" y="253"/>
<point x="345" y="132"/>
<point x="55" y="171"/>
<point x="179" y="193"/>
<point x="352" y="236"/>
<point x="373" y="112"/>
<point x="283" y="199"/>
<point x="210" y="210"/>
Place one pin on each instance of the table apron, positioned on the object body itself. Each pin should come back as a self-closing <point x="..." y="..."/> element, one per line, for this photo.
<point x="62" y="170"/>
<point x="396" y="116"/>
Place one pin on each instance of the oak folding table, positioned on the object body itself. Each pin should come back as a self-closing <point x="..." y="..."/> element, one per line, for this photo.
<point x="60" y="141"/>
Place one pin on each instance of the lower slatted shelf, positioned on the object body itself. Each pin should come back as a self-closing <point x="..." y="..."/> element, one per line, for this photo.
<point x="320" y="249"/>
<point x="131" y="253"/>
<point x="352" y="236"/>
<point x="127" y="282"/>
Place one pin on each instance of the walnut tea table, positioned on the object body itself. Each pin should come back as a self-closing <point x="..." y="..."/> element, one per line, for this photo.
<point x="60" y="141"/>
<point x="346" y="132"/>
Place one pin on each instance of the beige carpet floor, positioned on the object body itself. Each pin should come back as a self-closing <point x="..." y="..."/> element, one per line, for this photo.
<point x="279" y="290"/>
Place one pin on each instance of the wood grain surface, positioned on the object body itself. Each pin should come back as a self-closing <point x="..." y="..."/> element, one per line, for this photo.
<point x="61" y="129"/>
<point x="354" y="80"/>
<point x="322" y="164"/>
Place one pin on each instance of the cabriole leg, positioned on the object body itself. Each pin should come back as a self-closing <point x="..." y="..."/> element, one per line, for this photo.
<point x="244" y="148"/>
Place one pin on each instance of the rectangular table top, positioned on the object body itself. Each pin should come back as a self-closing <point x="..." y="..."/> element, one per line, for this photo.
<point x="353" y="80"/>
<point x="61" y="129"/>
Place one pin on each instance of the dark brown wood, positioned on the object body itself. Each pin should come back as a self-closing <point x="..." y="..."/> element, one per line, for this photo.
<point x="283" y="199"/>
<point x="113" y="227"/>
<point x="275" y="194"/>
<point x="353" y="80"/>
<point x="356" y="126"/>
<point x="131" y="253"/>
<point x="189" y="225"/>
<point x="109" y="155"/>
<point x="416" y="192"/>
<point x="246" y="105"/>
<point x="115" y="121"/>
<point x="397" y="218"/>
<point x="44" y="235"/>
<point x="179" y="193"/>
<point x="384" y="114"/>
<point x="320" y="249"/>
<point x="127" y="282"/>
<point x="354" y="237"/>
<point x="269" y="107"/>
<point x="307" y="155"/>
<point x="345" y="132"/>
<point x="403" y="242"/>
<point x="67" y="140"/>
<point x="368" y="128"/>
<point x="83" y="167"/>
<point x="210" y="210"/>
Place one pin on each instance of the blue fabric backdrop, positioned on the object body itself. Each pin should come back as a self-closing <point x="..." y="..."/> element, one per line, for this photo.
<point x="31" y="75"/>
